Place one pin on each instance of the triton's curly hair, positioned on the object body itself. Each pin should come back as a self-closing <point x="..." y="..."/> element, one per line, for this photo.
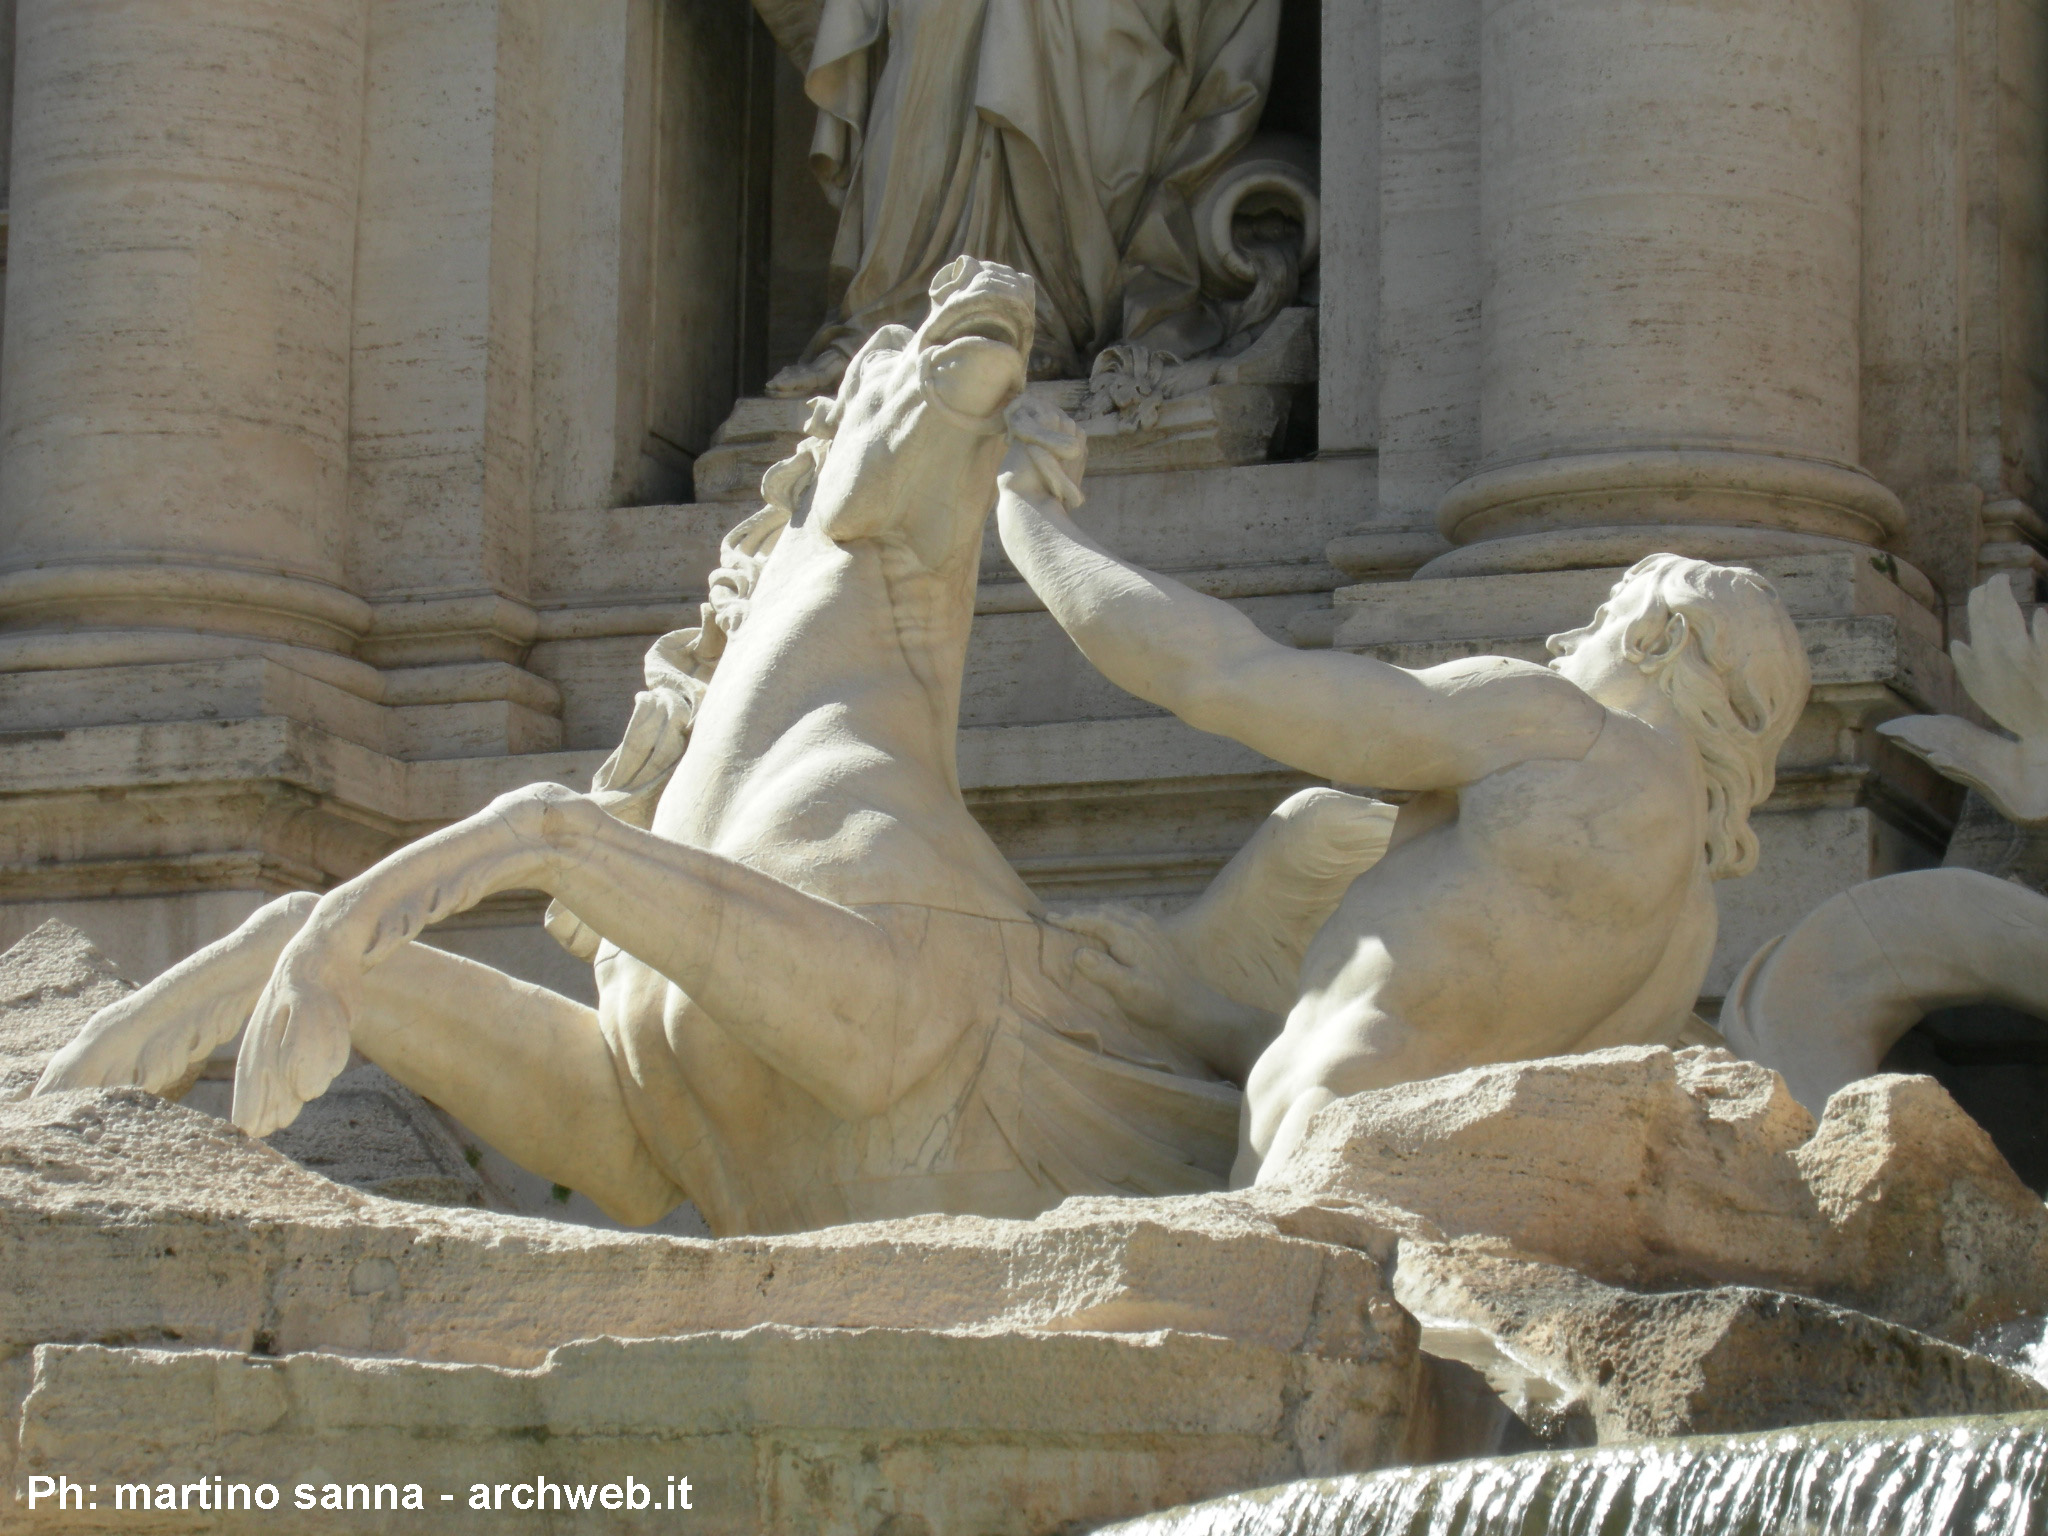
<point x="1722" y="647"/>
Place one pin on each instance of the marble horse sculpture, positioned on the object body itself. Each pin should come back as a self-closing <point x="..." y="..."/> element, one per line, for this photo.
<point x="1825" y="1002"/>
<point x="823" y="993"/>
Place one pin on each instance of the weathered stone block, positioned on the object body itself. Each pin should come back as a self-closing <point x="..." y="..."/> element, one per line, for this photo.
<point x="1645" y="1168"/>
<point x="1701" y="1361"/>
<point x="779" y="1429"/>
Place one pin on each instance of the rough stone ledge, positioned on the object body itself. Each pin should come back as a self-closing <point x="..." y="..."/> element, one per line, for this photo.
<point x="195" y="1301"/>
<point x="1652" y="1232"/>
<point x="141" y="1221"/>
<point x="779" y="1429"/>
<point x="1580" y="1362"/>
<point x="1652" y="1170"/>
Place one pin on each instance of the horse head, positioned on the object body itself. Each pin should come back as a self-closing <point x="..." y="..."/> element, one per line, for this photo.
<point x="909" y="448"/>
<point x="907" y="452"/>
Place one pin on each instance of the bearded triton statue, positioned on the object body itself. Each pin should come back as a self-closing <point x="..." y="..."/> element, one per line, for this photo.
<point x="1072" y="142"/>
<point x="822" y="993"/>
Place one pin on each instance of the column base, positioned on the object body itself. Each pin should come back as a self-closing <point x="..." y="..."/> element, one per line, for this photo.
<point x="1580" y="549"/>
<point x="170" y="594"/>
<point x="1764" y="493"/>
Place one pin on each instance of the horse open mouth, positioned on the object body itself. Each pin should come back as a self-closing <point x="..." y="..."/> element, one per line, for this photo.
<point x="983" y="320"/>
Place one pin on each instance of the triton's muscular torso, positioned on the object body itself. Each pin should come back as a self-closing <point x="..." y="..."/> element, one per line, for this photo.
<point x="1521" y="916"/>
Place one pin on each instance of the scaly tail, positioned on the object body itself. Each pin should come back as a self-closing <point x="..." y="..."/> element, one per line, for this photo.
<point x="1824" y="1003"/>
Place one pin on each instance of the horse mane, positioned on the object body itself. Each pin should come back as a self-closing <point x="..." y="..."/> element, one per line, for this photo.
<point x="679" y="666"/>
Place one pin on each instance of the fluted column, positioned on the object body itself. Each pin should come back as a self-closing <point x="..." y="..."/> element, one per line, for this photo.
<point x="1670" y="222"/>
<point x="174" y="401"/>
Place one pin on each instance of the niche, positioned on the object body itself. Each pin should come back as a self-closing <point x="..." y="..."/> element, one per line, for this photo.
<point x="709" y="79"/>
<point x="738" y="275"/>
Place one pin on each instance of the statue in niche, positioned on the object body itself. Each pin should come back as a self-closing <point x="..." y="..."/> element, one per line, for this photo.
<point x="1548" y="884"/>
<point x="1083" y="144"/>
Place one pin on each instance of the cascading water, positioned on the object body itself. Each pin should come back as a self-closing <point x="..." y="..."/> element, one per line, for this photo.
<point x="1933" y="1477"/>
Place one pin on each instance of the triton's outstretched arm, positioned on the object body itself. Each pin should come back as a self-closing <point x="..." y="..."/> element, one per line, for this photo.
<point x="1342" y="717"/>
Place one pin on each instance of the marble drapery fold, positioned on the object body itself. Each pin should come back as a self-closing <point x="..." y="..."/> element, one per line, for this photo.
<point x="1062" y="137"/>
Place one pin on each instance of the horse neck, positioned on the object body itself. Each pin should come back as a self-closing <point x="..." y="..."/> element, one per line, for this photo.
<point x="872" y="630"/>
<point x="934" y="612"/>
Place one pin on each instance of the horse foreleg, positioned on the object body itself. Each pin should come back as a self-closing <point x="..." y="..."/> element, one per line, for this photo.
<point x="815" y="989"/>
<point x="151" y="1037"/>
<point x="550" y="1099"/>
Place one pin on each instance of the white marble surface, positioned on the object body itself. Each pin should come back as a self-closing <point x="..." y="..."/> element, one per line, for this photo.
<point x="1548" y="883"/>
<point x="823" y="994"/>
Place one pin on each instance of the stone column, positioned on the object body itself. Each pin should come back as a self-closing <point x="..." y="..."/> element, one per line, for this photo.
<point x="1670" y="194"/>
<point x="175" y="398"/>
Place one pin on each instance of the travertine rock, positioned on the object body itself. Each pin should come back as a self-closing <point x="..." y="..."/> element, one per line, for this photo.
<point x="371" y="1131"/>
<point x="1109" y="1357"/>
<point x="824" y="1432"/>
<point x="50" y="984"/>
<point x="141" y="1220"/>
<point x="1701" y="1361"/>
<point x="1148" y="1351"/>
<point x="164" y="1250"/>
<point x="1645" y="1168"/>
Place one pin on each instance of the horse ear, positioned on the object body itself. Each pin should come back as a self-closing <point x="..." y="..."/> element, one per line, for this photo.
<point x="889" y="338"/>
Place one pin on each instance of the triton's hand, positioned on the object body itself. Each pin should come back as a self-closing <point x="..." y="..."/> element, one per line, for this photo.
<point x="1048" y="454"/>
<point x="1137" y="963"/>
<point x="1142" y="965"/>
<point x="2005" y="669"/>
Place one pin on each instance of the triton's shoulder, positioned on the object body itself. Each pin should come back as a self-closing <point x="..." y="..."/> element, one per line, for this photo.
<point x="1485" y="671"/>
